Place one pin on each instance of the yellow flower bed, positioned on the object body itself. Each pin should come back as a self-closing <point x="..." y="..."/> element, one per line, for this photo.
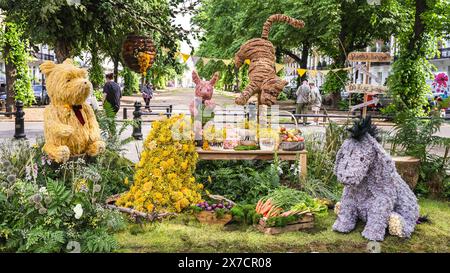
<point x="164" y="178"/>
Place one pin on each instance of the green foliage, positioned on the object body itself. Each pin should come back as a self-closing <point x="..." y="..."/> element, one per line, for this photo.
<point x="12" y="37"/>
<point x="110" y="132"/>
<point x="335" y="81"/>
<point x="281" y="221"/>
<point x="245" y="214"/>
<point x="425" y="22"/>
<point x="286" y="198"/>
<point x="407" y="84"/>
<point x="96" y="72"/>
<point x="240" y="181"/>
<point x="282" y="97"/>
<point x="46" y="207"/>
<point x="131" y="82"/>
<point x="416" y="137"/>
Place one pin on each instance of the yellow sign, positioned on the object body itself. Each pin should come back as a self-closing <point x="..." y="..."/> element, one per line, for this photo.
<point x="366" y="88"/>
<point x="375" y="57"/>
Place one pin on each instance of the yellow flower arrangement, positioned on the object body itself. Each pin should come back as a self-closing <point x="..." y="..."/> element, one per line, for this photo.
<point x="144" y="59"/>
<point x="164" y="178"/>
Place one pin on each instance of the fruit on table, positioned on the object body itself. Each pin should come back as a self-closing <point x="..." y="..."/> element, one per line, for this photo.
<point x="291" y="135"/>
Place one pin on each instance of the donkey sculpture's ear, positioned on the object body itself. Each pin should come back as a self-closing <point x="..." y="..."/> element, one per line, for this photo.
<point x="214" y="78"/>
<point x="195" y="77"/>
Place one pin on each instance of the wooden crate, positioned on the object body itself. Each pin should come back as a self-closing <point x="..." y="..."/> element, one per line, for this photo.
<point x="306" y="222"/>
<point x="208" y="217"/>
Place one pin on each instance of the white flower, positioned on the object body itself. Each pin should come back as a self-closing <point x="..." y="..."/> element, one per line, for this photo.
<point x="78" y="211"/>
<point x="43" y="190"/>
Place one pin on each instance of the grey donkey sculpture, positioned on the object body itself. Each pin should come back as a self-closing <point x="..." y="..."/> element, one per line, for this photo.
<point x="373" y="190"/>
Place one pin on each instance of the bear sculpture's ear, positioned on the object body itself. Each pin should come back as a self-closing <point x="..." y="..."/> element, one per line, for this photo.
<point x="47" y="67"/>
<point x="68" y="61"/>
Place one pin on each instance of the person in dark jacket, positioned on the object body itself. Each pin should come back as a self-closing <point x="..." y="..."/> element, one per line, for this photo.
<point x="112" y="93"/>
<point x="147" y="94"/>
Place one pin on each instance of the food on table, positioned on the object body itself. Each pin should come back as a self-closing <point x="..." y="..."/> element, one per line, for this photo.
<point x="291" y="135"/>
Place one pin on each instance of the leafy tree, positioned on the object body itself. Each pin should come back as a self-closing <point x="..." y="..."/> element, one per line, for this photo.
<point x="426" y="23"/>
<point x="16" y="57"/>
<point x="49" y="21"/>
<point x="131" y="82"/>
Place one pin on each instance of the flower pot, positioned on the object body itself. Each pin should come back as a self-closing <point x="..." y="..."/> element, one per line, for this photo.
<point x="408" y="168"/>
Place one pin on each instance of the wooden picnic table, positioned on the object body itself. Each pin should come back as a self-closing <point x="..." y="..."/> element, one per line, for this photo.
<point x="255" y="155"/>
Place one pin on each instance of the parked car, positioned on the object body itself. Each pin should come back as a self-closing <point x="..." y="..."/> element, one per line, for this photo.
<point x="40" y="95"/>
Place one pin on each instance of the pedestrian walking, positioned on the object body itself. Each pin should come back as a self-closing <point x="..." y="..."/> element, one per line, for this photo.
<point x="147" y="95"/>
<point x="303" y="94"/>
<point x="315" y="101"/>
<point x="112" y="93"/>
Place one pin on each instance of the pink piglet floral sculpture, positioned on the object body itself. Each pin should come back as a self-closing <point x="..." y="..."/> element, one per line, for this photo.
<point x="203" y="90"/>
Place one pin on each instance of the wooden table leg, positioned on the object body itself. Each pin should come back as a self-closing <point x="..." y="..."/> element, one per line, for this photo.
<point x="303" y="165"/>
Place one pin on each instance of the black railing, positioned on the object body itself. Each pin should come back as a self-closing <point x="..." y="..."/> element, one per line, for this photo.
<point x="137" y="117"/>
<point x="167" y="108"/>
<point x="445" y="53"/>
<point x="19" y="128"/>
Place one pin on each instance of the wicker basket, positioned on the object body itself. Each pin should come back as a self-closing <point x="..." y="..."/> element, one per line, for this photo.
<point x="131" y="47"/>
<point x="292" y="146"/>
<point x="209" y="217"/>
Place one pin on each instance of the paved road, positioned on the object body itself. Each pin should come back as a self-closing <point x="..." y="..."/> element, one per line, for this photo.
<point x="179" y="98"/>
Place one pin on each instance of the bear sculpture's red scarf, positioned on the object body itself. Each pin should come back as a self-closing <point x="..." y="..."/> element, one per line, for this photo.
<point x="78" y="114"/>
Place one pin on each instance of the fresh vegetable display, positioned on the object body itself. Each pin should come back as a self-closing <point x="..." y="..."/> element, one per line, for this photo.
<point x="285" y="205"/>
<point x="291" y="135"/>
<point x="246" y="147"/>
<point x="219" y="208"/>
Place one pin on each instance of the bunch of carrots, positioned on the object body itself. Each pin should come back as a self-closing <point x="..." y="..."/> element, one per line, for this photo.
<point x="267" y="208"/>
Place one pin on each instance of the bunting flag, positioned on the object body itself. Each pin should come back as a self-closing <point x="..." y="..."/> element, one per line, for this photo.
<point x="312" y="73"/>
<point x="195" y="59"/>
<point x="185" y="57"/>
<point x="279" y="67"/>
<point x="301" y="71"/>
<point x="226" y="62"/>
<point x="206" y="61"/>
<point x="324" y="72"/>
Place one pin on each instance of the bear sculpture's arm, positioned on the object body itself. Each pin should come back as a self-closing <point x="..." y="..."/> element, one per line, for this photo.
<point x="55" y="133"/>
<point x="96" y="145"/>
<point x="53" y="125"/>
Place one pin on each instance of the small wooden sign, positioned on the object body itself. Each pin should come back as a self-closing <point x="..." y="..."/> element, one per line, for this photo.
<point x="364" y="104"/>
<point x="375" y="57"/>
<point x="365" y="88"/>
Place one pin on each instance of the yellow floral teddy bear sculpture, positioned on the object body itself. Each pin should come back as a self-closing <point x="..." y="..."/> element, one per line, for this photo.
<point x="70" y="126"/>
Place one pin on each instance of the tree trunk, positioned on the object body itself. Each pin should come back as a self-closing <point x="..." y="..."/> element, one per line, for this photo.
<point x="11" y="74"/>
<point x="304" y="60"/>
<point x="116" y="69"/>
<point x="62" y="51"/>
<point x="419" y="27"/>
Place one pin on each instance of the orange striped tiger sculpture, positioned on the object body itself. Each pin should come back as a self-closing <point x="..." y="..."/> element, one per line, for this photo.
<point x="262" y="73"/>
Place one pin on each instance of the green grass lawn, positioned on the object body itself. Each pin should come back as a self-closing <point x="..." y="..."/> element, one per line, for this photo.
<point x="184" y="234"/>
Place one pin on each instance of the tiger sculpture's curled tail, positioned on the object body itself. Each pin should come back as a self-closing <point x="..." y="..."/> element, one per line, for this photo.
<point x="262" y="72"/>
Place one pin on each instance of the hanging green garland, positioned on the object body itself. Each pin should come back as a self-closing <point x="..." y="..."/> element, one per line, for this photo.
<point x="18" y="55"/>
